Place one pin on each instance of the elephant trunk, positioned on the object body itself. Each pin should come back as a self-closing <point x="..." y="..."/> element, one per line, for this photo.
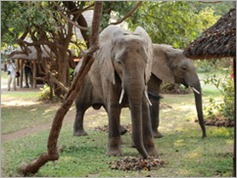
<point x="135" y="92"/>
<point x="198" y="102"/>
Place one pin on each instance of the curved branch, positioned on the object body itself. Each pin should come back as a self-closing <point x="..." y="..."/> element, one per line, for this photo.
<point x="52" y="153"/>
<point x="128" y="14"/>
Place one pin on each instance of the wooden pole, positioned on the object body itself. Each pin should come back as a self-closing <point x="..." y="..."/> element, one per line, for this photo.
<point x="234" y="156"/>
<point x="22" y="73"/>
<point x="34" y="84"/>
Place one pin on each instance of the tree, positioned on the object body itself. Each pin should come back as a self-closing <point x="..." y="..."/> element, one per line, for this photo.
<point x="52" y="153"/>
<point x="46" y="24"/>
<point x="52" y="24"/>
<point x="175" y="23"/>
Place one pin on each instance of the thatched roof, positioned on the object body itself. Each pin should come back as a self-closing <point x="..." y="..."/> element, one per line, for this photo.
<point x="32" y="55"/>
<point x="217" y="41"/>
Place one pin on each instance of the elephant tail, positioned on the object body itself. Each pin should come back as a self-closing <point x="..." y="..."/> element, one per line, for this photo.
<point x="154" y="96"/>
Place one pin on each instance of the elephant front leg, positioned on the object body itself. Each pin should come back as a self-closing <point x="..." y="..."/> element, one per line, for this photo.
<point x="114" y="132"/>
<point x="155" y="118"/>
<point x="147" y="132"/>
<point x="78" y="123"/>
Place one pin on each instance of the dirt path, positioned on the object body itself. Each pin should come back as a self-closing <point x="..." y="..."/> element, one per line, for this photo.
<point x="69" y="119"/>
<point x="12" y="101"/>
<point x="28" y="131"/>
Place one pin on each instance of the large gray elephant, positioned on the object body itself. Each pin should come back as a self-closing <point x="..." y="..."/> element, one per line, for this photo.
<point x="119" y="75"/>
<point x="169" y="65"/>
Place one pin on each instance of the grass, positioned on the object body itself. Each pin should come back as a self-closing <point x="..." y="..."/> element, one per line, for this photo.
<point x="182" y="148"/>
<point x="15" y="118"/>
<point x="184" y="151"/>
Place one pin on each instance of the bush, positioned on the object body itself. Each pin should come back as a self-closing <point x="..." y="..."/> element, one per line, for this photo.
<point x="225" y="107"/>
<point x="45" y="93"/>
<point x="204" y="66"/>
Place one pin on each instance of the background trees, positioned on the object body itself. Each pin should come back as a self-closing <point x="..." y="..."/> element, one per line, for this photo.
<point x="56" y="25"/>
<point x="177" y="23"/>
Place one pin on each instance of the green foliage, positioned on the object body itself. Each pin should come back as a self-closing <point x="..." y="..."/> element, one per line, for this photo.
<point x="25" y="15"/>
<point x="205" y="66"/>
<point x="174" y="23"/>
<point x="225" y="107"/>
<point x="45" y="93"/>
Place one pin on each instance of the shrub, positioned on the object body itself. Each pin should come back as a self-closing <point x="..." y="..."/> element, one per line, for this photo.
<point x="45" y="93"/>
<point x="225" y="107"/>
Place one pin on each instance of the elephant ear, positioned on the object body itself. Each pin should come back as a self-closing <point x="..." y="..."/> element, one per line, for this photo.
<point x="103" y="55"/>
<point x="148" y="48"/>
<point x="161" y="63"/>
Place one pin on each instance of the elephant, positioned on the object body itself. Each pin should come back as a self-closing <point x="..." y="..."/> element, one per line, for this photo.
<point x="169" y="65"/>
<point x="119" y="76"/>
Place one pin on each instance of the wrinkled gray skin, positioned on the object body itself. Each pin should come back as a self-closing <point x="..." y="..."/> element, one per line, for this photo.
<point x="123" y="63"/>
<point x="170" y="65"/>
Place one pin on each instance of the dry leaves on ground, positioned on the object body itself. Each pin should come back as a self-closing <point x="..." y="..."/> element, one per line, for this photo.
<point x="130" y="163"/>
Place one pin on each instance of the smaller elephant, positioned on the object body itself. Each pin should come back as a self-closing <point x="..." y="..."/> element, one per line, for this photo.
<point x="169" y="65"/>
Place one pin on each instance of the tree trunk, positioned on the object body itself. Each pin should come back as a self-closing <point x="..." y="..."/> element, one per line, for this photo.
<point x="63" y="73"/>
<point x="52" y="153"/>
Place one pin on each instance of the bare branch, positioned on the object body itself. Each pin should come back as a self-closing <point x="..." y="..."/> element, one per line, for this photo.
<point x="128" y="14"/>
<point x="77" y="13"/>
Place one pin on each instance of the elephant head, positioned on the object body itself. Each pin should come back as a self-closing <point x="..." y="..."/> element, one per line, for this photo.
<point x="121" y="72"/>
<point x="170" y="65"/>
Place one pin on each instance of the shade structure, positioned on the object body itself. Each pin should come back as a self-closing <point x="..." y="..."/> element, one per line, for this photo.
<point x="217" y="41"/>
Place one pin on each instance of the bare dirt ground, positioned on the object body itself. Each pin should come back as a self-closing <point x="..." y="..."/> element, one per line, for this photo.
<point x="69" y="118"/>
<point x="11" y="101"/>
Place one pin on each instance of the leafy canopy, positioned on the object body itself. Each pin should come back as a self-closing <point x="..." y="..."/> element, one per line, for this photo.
<point x="175" y="23"/>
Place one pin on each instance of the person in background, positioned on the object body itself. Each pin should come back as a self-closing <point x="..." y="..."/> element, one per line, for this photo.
<point x="28" y="73"/>
<point x="11" y="70"/>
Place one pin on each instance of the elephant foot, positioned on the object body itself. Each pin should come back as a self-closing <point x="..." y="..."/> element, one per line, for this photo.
<point x="150" y="146"/>
<point x="157" y="134"/>
<point x="152" y="151"/>
<point x="114" y="152"/>
<point x="80" y="133"/>
<point x="114" y="147"/>
<point x="122" y="130"/>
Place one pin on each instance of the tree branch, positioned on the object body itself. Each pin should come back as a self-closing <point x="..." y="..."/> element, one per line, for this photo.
<point x="128" y="14"/>
<point x="52" y="153"/>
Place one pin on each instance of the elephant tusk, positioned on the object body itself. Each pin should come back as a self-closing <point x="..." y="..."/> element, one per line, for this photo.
<point x="195" y="90"/>
<point x="147" y="98"/>
<point x="121" y="96"/>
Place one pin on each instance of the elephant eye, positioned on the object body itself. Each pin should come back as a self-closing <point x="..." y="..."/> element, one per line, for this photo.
<point x="184" y="68"/>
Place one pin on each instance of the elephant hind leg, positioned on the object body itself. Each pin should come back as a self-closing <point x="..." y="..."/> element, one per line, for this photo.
<point x="79" y="133"/>
<point x="156" y="134"/>
<point x="78" y="123"/>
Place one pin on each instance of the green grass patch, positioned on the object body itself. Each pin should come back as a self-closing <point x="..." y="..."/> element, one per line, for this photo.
<point x="15" y="118"/>
<point x="184" y="151"/>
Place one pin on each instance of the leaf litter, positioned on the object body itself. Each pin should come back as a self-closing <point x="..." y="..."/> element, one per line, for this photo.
<point x="131" y="163"/>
